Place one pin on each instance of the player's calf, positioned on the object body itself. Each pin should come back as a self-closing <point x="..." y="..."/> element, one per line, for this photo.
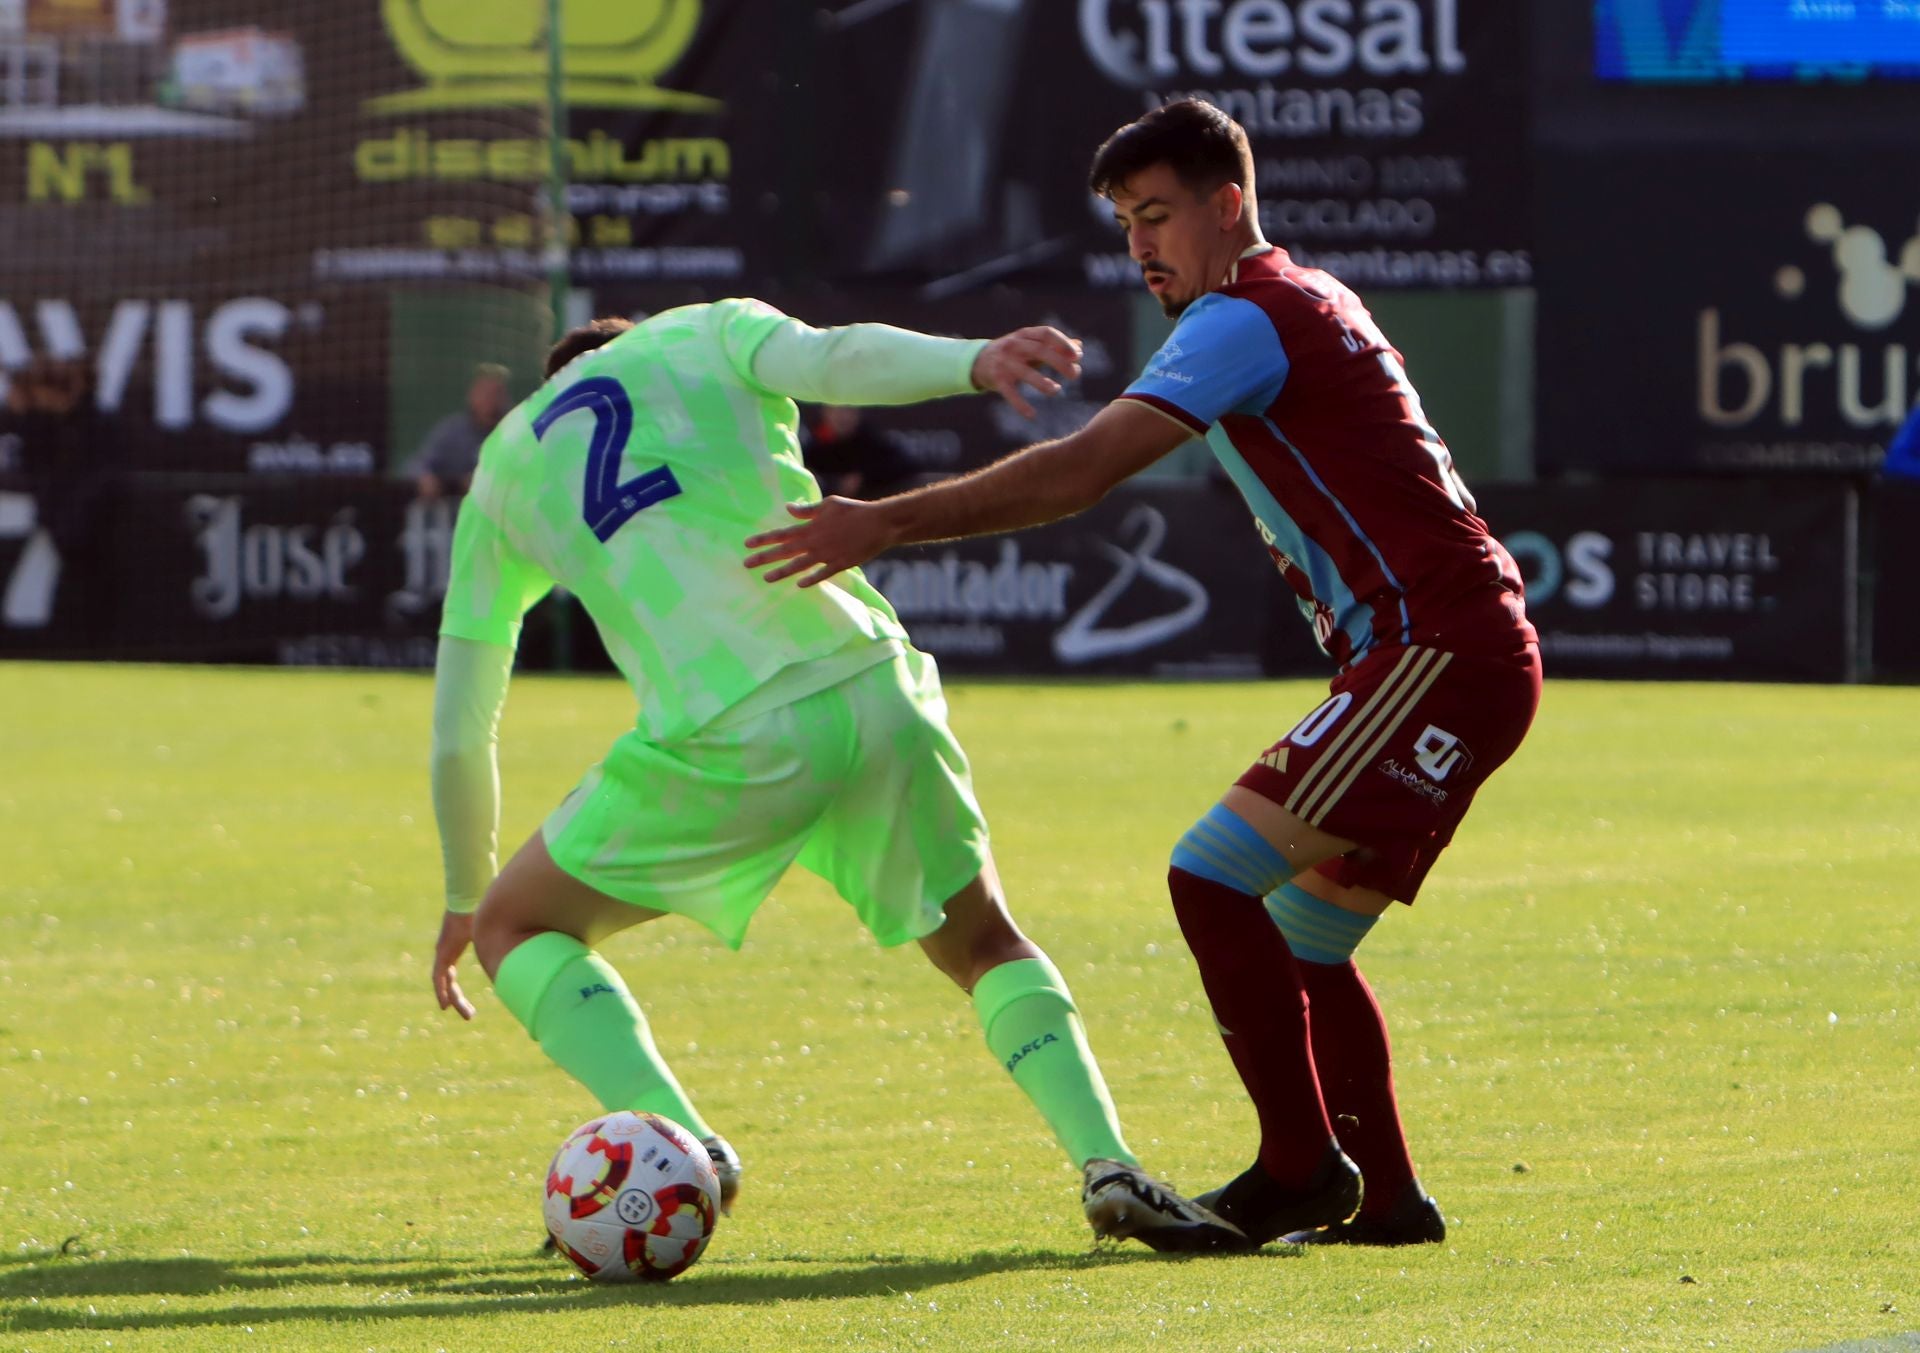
<point x="1221" y="871"/>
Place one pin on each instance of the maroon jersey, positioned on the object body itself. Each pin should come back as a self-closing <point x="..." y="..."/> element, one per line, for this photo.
<point x="1310" y="412"/>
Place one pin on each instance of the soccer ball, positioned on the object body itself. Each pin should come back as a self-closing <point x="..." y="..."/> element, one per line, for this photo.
<point x="631" y="1197"/>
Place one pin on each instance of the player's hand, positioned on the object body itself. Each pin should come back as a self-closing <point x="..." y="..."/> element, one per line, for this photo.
<point x="1014" y="363"/>
<point x="834" y="534"/>
<point x="456" y="933"/>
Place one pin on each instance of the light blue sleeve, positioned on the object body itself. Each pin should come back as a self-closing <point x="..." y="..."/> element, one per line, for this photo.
<point x="1223" y="357"/>
<point x="864" y="365"/>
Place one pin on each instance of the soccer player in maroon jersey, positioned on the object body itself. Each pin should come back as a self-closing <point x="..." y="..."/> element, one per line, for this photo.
<point x="1310" y="412"/>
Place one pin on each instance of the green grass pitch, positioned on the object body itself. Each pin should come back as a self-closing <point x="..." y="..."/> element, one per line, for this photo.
<point x="1655" y="1026"/>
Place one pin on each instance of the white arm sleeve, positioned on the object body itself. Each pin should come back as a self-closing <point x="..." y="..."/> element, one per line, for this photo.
<point x="469" y="691"/>
<point x="864" y="364"/>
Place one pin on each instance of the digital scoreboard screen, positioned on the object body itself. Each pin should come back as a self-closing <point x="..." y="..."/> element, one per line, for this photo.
<point x="1696" y="41"/>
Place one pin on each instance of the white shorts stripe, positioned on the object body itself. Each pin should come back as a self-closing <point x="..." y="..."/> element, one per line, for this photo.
<point x="1374" y="747"/>
<point x="1304" y="789"/>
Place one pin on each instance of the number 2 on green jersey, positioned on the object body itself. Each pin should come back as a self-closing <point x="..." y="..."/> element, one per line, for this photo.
<point x="606" y="504"/>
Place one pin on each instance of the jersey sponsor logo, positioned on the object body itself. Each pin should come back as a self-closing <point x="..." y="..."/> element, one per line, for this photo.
<point x="1440" y="753"/>
<point x="1281" y="559"/>
<point x="1318" y="615"/>
<point x="1028" y="1049"/>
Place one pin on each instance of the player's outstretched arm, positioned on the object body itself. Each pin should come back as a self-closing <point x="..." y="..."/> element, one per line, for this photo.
<point x="1014" y="363"/>
<point x="1042" y="483"/>
<point x="866" y="365"/>
<point x="469" y="691"/>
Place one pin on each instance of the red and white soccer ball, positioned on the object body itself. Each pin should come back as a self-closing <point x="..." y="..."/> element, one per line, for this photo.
<point x="631" y="1197"/>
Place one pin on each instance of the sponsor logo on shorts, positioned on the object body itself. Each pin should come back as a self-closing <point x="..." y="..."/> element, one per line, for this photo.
<point x="1275" y="757"/>
<point x="1432" y="793"/>
<point x="1439" y="753"/>
<point x="1034" y="1046"/>
<point x="1362" y="737"/>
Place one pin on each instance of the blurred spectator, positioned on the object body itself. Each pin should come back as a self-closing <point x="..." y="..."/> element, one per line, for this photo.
<point x="1903" y="452"/>
<point x="850" y="456"/>
<point x="65" y="450"/>
<point x="61" y="444"/>
<point x="13" y="414"/>
<point x="443" y="467"/>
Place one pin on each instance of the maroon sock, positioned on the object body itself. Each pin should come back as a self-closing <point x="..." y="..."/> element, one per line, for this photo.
<point x="1254" y="985"/>
<point x="1355" y="1063"/>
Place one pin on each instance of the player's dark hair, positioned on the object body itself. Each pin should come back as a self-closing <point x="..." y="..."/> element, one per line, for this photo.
<point x="584" y="339"/>
<point x="1202" y="145"/>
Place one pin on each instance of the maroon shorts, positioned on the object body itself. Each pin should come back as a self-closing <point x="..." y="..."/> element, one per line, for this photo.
<point x="1392" y="759"/>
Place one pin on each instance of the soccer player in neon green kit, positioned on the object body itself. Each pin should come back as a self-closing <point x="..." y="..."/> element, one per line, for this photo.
<point x="774" y="725"/>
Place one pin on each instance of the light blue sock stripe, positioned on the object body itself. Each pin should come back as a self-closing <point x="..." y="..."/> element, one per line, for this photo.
<point x="1196" y="857"/>
<point x="1219" y="846"/>
<point x="1317" y="931"/>
<point x="1223" y="848"/>
<point x="1214" y="855"/>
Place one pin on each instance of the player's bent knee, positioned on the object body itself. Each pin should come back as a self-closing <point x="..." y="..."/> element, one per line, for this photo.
<point x="1224" y="848"/>
<point x="495" y="934"/>
<point x="966" y="958"/>
<point x="978" y="934"/>
<point x="1315" y="929"/>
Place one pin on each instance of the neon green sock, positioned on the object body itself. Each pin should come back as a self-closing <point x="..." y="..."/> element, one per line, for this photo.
<point x="581" y="1013"/>
<point x="1033" y="1028"/>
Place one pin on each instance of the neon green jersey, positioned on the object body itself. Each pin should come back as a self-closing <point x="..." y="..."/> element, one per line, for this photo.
<point x="631" y="479"/>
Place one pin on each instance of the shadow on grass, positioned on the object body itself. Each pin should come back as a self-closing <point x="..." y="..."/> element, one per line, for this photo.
<point x="41" y="1292"/>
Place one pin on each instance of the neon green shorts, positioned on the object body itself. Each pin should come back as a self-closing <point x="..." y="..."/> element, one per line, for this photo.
<point x="862" y="783"/>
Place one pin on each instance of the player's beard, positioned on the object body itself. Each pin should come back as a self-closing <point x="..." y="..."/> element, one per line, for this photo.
<point x="1169" y="305"/>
